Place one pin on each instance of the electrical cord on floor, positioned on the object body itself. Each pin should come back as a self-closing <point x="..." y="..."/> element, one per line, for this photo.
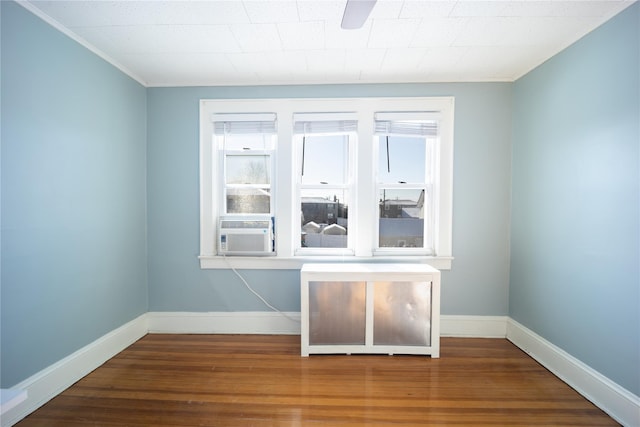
<point x="256" y="293"/>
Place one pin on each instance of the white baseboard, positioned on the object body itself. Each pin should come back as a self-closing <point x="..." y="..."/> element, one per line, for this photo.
<point x="48" y="383"/>
<point x="233" y="322"/>
<point x="261" y="322"/>
<point x="619" y="403"/>
<point x="473" y="326"/>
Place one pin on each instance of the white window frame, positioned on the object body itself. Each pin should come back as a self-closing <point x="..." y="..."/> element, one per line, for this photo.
<point x="363" y="223"/>
<point x="226" y="186"/>
<point x="348" y="186"/>
<point x="429" y="184"/>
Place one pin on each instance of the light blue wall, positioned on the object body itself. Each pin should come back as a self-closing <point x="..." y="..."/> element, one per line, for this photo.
<point x="73" y="196"/>
<point x="478" y="282"/>
<point x="575" y="224"/>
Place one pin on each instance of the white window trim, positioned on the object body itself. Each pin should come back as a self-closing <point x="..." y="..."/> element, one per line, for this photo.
<point x="364" y="223"/>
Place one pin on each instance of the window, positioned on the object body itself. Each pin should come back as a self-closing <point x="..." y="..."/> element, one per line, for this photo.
<point x="406" y="145"/>
<point x="352" y="178"/>
<point x="325" y="147"/>
<point x="246" y="143"/>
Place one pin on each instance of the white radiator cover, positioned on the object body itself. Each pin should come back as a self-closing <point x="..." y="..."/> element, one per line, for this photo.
<point x="370" y="308"/>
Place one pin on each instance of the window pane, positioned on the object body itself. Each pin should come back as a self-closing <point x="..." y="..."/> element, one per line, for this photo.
<point x="249" y="169"/>
<point x="402" y="313"/>
<point x="324" y="159"/>
<point x="256" y="141"/>
<point x="401" y="218"/>
<point x="324" y="218"/>
<point x="337" y="313"/>
<point x="248" y="201"/>
<point x="405" y="161"/>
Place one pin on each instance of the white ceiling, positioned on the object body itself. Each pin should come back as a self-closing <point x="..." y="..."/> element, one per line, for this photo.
<point x="260" y="42"/>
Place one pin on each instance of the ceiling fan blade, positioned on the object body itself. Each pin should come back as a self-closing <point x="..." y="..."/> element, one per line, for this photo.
<point x="356" y="13"/>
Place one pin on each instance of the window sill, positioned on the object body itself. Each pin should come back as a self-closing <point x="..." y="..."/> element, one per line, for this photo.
<point x="209" y="262"/>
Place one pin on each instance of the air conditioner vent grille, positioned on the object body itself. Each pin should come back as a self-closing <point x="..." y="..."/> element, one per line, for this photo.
<point x="244" y="224"/>
<point x="246" y="236"/>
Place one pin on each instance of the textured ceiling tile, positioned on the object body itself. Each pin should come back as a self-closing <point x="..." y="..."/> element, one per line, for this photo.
<point x="528" y="8"/>
<point x="302" y="35"/>
<point x="494" y="31"/>
<point x="199" y="38"/>
<point x="325" y="10"/>
<point x="248" y="61"/>
<point x="257" y="37"/>
<point x="74" y="14"/>
<point x="330" y="66"/>
<point x="443" y="64"/>
<point x="273" y="67"/>
<point x="386" y="9"/>
<point x="404" y="76"/>
<point x="326" y="60"/>
<point x="191" y="13"/>
<point x="392" y="33"/>
<point x="271" y="11"/>
<point x="161" y="39"/>
<point x="403" y="59"/>
<point x="361" y="59"/>
<point x="295" y="62"/>
<point x="438" y="32"/>
<point x="106" y="13"/>
<point x="479" y="8"/>
<point x="426" y="9"/>
<point x="337" y="38"/>
<point x="442" y="59"/>
<point x="203" y="12"/>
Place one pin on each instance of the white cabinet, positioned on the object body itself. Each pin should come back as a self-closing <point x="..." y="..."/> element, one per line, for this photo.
<point x="370" y="308"/>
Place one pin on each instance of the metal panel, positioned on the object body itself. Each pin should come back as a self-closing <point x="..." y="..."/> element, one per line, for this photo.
<point x="402" y="313"/>
<point x="336" y="313"/>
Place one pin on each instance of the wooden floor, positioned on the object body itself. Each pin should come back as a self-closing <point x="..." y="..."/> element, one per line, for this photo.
<point x="261" y="380"/>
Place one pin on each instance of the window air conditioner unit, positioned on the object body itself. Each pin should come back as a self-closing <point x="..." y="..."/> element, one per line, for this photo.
<point x="251" y="237"/>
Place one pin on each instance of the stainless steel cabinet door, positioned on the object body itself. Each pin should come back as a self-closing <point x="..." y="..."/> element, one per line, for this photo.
<point x="402" y="313"/>
<point x="337" y="313"/>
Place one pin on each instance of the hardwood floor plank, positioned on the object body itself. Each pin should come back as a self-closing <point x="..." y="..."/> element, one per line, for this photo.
<point x="261" y="380"/>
